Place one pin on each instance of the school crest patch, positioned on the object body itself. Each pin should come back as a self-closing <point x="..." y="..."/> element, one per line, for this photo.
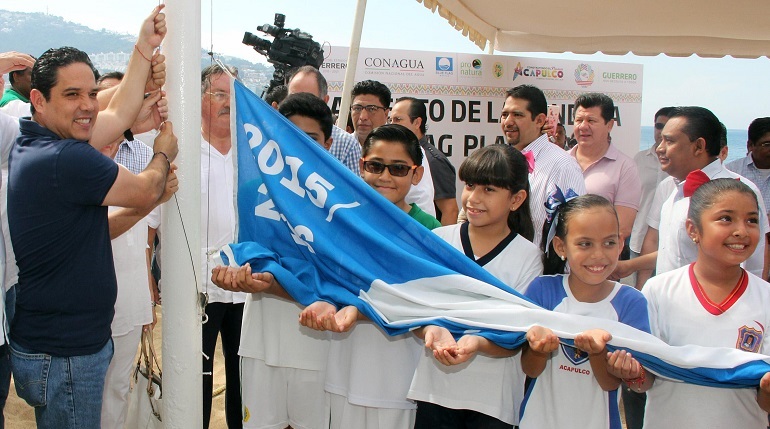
<point x="574" y="354"/>
<point x="749" y="339"/>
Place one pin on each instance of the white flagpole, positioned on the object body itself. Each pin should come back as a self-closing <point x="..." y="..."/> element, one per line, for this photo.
<point x="350" y="71"/>
<point x="182" y="365"/>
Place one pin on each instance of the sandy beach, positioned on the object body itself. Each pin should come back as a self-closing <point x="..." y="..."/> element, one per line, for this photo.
<point x="19" y="415"/>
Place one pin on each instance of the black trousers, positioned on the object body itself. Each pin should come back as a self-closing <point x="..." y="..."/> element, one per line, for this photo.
<point x="224" y="319"/>
<point x="633" y="406"/>
<point x="432" y="416"/>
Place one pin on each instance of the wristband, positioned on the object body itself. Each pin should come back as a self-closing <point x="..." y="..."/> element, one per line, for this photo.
<point x="165" y="156"/>
<point x="140" y="53"/>
<point x="638" y="380"/>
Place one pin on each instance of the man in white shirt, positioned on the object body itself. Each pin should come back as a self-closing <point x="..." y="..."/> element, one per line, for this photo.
<point x="691" y="142"/>
<point x="224" y="309"/>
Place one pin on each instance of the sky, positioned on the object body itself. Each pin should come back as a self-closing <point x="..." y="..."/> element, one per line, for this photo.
<point x="736" y="90"/>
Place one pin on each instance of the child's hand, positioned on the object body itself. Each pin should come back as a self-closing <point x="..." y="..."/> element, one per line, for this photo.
<point x="764" y="383"/>
<point x="622" y="365"/>
<point x="467" y="346"/>
<point x="593" y="341"/>
<point x="542" y="340"/>
<point x="224" y="277"/>
<point x="441" y="341"/>
<point x="312" y="316"/>
<point x="343" y="320"/>
<point x="247" y="281"/>
<point x="763" y="394"/>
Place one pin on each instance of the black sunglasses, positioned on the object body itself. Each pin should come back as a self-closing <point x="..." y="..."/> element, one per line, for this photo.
<point x="397" y="170"/>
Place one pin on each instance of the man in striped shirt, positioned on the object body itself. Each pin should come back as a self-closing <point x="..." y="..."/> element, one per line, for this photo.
<point x="522" y="120"/>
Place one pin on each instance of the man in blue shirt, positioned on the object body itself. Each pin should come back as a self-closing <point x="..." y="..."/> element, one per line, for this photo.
<point x="58" y="192"/>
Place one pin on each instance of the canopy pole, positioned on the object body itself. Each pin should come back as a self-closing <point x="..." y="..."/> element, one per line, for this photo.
<point x="350" y="71"/>
<point x="182" y="363"/>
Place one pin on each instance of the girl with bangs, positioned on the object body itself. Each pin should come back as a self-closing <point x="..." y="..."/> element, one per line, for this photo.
<point x="483" y="390"/>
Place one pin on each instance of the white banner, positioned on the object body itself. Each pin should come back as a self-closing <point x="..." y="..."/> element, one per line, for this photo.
<point x="465" y="93"/>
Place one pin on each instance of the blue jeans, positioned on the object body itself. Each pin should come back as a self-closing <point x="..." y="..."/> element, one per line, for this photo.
<point x="66" y="392"/>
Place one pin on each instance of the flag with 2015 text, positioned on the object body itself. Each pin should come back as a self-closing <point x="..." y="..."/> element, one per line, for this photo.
<point x="326" y="235"/>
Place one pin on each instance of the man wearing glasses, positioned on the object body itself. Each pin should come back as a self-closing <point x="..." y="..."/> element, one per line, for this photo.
<point x="224" y="309"/>
<point x="369" y="110"/>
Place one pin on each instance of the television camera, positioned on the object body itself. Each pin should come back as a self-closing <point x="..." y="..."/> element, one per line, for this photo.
<point x="289" y="49"/>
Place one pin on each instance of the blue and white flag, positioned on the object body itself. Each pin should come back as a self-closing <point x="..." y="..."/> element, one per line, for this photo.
<point x="326" y="235"/>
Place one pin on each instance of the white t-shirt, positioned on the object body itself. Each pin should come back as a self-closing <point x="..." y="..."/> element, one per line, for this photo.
<point x="271" y="332"/>
<point x="679" y="315"/>
<point x="217" y="215"/>
<point x="492" y="386"/>
<point x="422" y="193"/>
<point x="568" y="379"/>
<point x="350" y="373"/>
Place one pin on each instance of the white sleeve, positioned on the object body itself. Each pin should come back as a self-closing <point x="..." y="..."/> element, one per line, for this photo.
<point x="9" y="130"/>
<point x="17" y="109"/>
<point x="662" y="192"/>
<point x="153" y="218"/>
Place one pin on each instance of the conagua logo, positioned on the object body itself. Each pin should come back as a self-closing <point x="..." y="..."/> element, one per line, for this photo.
<point x="584" y="75"/>
<point x="394" y="63"/>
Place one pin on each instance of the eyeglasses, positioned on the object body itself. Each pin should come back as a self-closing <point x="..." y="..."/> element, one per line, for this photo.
<point x="357" y="108"/>
<point x="763" y="145"/>
<point x="219" y="95"/>
<point x="396" y="170"/>
<point x="659" y="125"/>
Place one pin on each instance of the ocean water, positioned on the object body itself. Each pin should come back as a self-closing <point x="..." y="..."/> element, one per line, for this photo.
<point x="736" y="142"/>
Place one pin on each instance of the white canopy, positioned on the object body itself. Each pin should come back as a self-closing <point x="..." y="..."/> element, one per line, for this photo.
<point x="648" y="27"/>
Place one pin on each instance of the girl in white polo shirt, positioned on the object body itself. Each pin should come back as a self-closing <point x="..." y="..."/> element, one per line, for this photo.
<point x="712" y="302"/>
<point x="484" y="391"/>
